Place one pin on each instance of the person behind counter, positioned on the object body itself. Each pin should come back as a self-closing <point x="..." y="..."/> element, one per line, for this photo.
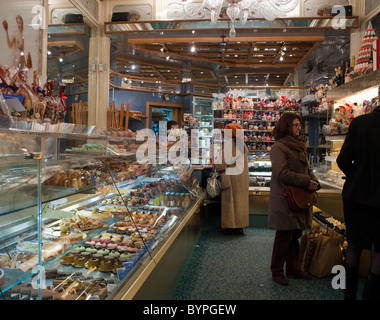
<point x="235" y="190"/>
<point x="290" y="166"/>
<point x="172" y="125"/>
<point x="359" y="159"/>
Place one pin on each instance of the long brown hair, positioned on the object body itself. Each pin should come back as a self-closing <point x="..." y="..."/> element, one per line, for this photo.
<point x="283" y="127"/>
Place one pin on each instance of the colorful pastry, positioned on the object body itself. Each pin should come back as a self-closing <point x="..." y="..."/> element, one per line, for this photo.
<point x="125" y="256"/>
<point x="114" y="254"/>
<point x="79" y="262"/>
<point x="91" y="250"/>
<point x="103" y="252"/>
<point x="92" y="263"/>
<point x="105" y="266"/>
<point x="86" y="255"/>
<point x="97" y="256"/>
<point x="111" y="246"/>
<point x="68" y="259"/>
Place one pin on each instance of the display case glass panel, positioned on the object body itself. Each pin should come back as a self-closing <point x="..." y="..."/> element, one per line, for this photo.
<point x="89" y="224"/>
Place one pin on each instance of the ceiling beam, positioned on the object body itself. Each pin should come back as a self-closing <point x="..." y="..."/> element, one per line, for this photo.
<point x="260" y="37"/>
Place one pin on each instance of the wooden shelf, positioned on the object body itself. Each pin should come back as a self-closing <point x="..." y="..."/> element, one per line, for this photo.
<point x="365" y="82"/>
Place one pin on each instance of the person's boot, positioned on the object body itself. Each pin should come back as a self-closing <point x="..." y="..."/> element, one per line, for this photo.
<point x="352" y="278"/>
<point x="371" y="289"/>
<point x="280" y="278"/>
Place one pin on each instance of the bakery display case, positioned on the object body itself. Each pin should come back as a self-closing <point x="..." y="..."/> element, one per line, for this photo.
<point x="204" y="114"/>
<point x="260" y="170"/>
<point x="83" y="225"/>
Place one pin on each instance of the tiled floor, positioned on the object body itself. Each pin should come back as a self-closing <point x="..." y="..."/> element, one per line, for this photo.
<point x="226" y="267"/>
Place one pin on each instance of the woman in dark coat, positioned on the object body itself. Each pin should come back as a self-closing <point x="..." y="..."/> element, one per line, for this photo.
<point x="290" y="166"/>
<point x="359" y="160"/>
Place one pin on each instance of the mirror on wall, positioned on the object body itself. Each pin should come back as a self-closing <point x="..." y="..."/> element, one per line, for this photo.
<point x="68" y="59"/>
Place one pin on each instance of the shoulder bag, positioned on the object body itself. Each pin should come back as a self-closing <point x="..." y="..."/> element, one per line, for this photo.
<point x="299" y="198"/>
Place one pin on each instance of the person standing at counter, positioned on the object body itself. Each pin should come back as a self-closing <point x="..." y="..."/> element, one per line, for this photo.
<point x="235" y="189"/>
<point x="290" y="166"/>
<point x="359" y="160"/>
<point x="172" y="125"/>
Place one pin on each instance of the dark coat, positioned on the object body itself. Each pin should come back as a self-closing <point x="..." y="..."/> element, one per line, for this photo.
<point x="359" y="159"/>
<point x="290" y="166"/>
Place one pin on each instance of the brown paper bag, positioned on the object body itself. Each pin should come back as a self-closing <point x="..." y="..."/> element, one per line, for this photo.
<point x="327" y="254"/>
<point x="308" y="246"/>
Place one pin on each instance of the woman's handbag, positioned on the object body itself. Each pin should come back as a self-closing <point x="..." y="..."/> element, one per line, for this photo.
<point x="214" y="186"/>
<point x="300" y="198"/>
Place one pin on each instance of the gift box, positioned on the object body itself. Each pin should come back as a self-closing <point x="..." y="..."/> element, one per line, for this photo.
<point x="376" y="54"/>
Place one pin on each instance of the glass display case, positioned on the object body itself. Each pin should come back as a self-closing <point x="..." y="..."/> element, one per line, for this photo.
<point x="83" y="225"/>
<point x="203" y="112"/>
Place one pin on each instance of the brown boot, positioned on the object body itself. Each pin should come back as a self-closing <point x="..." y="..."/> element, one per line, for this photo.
<point x="280" y="279"/>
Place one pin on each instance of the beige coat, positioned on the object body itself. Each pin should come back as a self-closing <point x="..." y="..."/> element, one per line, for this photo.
<point x="235" y="194"/>
<point x="290" y="166"/>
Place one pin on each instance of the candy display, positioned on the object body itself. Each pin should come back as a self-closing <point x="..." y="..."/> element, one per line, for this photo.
<point x="233" y="102"/>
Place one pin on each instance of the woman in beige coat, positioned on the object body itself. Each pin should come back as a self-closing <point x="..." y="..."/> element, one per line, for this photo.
<point x="235" y="188"/>
<point x="290" y="166"/>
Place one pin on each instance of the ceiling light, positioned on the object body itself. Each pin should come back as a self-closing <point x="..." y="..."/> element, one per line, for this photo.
<point x="60" y="59"/>
<point x="49" y="53"/>
<point x="281" y="58"/>
<point x="133" y="67"/>
<point x="193" y="49"/>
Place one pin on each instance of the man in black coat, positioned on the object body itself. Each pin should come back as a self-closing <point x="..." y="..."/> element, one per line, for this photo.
<point x="359" y="159"/>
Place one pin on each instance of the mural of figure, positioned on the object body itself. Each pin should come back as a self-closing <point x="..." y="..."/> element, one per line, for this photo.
<point x="16" y="43"/>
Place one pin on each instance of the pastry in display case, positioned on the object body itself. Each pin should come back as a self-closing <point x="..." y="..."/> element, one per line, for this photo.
<point x="87" y="225"/>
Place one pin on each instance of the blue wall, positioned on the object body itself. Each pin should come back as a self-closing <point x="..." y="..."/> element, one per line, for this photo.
<point x="137" y="101"/>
